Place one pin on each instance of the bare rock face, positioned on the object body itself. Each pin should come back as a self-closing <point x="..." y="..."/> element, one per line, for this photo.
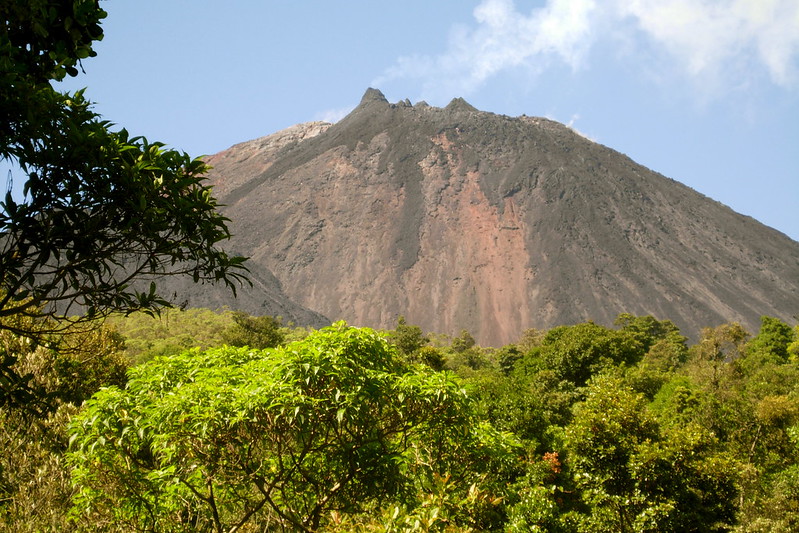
<point x="245" y="160"/>
<point x="462" y="219"/>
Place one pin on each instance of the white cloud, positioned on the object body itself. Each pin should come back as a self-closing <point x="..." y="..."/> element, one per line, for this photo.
<point x="332" y="115"/>
<point x="502" y="39"/>
<point x="723" y="40"/>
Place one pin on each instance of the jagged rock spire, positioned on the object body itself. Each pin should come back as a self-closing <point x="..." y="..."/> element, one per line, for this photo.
<point x="372" y="95"/>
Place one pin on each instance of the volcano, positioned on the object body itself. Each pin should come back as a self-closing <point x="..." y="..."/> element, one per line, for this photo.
<point x="459" y="219"/>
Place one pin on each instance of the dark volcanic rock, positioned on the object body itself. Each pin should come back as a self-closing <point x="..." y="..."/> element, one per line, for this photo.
<point x="458" y="218"/>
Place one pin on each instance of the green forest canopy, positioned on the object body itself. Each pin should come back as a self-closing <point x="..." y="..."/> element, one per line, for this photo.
<point x="578" y="428"/>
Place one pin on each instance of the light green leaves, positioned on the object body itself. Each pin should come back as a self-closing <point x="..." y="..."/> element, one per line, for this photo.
<point x="330" y="422"/>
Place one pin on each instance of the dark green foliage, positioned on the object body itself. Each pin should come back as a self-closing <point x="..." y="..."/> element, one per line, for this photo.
<point x="511" y="405"/>
<point x="413" y="344"/>
<point x="606" y="430"/>
<point x="658" y="366"/>
<point x="176" y="330"/>
<point x="650" y="330"/>
<point x="766" y="364"/>
<point x="257" y="332"/>
<point x="677" y="400"/>
<point x="507" y="356"/>
<point x="635" y="476"/>
<point x="44" y="40"/>
<point x="575" y="353"/>
<point x="545" y="499"/>
<point x="778" y="510"/>
<point x="342" y="432"/>
<point x="430" y="356"/>
<point x="666" y="350"/>
<point x="463" y="342"/>
<point x="793" y="348"/>
<point x="465" y="357"/>
<point x="407" y="338"/>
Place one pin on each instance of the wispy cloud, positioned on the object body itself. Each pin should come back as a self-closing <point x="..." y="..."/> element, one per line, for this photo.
<point x="722" y="38"/>
<point x="712" y="39"/>
<point x="332" y="115"/>
<point x="572" y="125"/>
<point x="501" y="39"/>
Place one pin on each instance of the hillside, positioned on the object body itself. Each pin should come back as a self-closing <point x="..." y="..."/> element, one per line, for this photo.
<point x="458" y="218"/>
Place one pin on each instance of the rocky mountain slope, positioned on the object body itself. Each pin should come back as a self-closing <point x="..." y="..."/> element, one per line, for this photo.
<point x="458" y="218"/>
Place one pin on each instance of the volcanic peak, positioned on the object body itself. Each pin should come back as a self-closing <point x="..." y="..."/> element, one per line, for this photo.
<point x="374" y="96"/>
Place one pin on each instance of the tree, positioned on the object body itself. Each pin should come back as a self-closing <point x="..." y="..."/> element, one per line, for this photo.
<point x="171" y="331"/>
<point x="575" y="353"/>
<point x="772" y="340"/>
<point x="464" y="341"/>
<point x="218" y="439"/>
<point x="407" y="338"/>
<point x="254" y="331"/>
<point x="636" y="476"/>
<point x="793" y="348"/>
<point x="104" y="213"/>
<point x="726" y="342"/>
<point x="650" y="330"/>
<point x="35" y="485"/>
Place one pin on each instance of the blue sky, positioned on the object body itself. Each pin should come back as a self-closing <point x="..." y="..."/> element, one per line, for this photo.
<point x="703" y="91"/>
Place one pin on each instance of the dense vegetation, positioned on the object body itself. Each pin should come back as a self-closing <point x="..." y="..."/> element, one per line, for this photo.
<point x="178" y="424"/>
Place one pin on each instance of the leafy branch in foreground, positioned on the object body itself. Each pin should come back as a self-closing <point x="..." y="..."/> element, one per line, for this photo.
<point x="101" y="208"/>
<point x="218" y="439"/>
<point x="104" y="213"/>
